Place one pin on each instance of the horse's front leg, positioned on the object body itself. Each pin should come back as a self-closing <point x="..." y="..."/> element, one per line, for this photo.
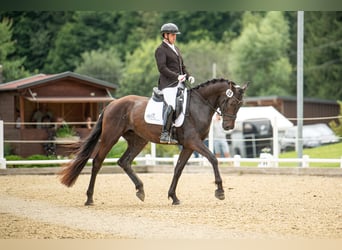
<point x="219" y="192"/>
<point x="182" y="160"/>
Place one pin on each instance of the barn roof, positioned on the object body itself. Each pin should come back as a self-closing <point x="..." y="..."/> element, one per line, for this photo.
<point x="45" y="79"/>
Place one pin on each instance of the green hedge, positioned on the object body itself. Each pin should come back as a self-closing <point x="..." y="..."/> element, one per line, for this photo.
<point x="32" y="157"/>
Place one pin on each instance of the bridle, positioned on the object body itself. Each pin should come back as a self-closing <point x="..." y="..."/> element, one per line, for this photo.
<point x="229" y="94"/>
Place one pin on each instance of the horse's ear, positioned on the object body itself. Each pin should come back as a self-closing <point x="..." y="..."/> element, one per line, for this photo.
<point x="245" y="86"/>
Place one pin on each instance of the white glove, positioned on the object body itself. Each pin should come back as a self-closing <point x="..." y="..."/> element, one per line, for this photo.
<point x="191" y="79"/>
<point x="181" y="78"/>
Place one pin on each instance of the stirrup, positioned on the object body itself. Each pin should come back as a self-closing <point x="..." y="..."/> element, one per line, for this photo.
<point x="173" y="141"/>
<point x="170" y="141"/>
<point x="165" y="138"/>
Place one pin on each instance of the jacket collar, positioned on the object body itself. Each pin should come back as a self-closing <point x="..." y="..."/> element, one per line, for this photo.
<point x="168" y="46"/>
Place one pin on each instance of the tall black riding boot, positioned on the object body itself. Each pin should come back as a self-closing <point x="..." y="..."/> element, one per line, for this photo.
<point x="165" y="136"/>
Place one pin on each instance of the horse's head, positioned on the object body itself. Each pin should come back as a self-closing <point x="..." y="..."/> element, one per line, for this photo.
<point x="230" y="102"/>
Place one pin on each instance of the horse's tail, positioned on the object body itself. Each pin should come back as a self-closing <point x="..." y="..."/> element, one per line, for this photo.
<point x="73" y="169"/>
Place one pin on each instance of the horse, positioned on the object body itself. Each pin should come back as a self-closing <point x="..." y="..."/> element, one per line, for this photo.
<point x="125" y="117"/>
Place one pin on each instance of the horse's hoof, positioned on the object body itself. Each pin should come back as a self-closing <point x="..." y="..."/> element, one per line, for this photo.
<point x="141" y="195"/>
<point x="89" y="203"/>
<point x="176" y="202"/>
<point x="219" y="194"/>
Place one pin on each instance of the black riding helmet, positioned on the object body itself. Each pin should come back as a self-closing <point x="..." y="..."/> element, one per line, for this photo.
<point x="169" y="28"/>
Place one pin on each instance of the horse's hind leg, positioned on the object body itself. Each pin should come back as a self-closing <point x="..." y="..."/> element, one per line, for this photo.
<point x="135" y="145"/>
<point x="104" y="147"/>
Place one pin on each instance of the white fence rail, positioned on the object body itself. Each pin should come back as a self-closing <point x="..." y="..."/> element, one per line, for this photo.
<point x="263" y="161"/>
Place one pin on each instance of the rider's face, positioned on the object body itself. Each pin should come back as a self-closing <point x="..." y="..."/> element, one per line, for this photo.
<point x="171" y="38"/>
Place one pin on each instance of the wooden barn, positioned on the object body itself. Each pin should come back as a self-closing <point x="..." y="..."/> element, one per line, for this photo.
<point x="68" y="97"/>
<point x="312" y="108"/>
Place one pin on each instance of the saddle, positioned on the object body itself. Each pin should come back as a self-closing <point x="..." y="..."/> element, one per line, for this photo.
<point x="156" y="105"/>
<point x="158" y="96"/>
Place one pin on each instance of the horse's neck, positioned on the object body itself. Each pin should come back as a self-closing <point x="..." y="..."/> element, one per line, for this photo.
<point x="203" y="104"/>
<point x="210" y="93"/>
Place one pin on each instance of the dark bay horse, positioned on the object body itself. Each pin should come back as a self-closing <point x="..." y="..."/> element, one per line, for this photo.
<point x="125" y="117"/>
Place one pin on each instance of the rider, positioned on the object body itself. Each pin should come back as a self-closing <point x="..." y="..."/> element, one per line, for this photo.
<point x="173" y="73"/>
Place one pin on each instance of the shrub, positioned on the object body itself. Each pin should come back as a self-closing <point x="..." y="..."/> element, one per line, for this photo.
<point x="337" y="126"/>
<point x="32" y="157"/>
<point x="65" y="131"/>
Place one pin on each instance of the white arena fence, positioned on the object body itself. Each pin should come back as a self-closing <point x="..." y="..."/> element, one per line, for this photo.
<point x="152" y="161"/>
<point x="264" y="159"/>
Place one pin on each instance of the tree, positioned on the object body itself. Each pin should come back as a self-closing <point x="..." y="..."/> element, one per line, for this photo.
<point x="93" y="30"/>
<point x="141" y="73"/>
<point x="101" y="64"/>
<point x="323" y="55"/>
<point x="199" y="57"/>
<point x="34" y="33"/>
<point x="259" y="55"/>
<point x="195" y="25"/>
<point x="12" y="69"/>
<point x="86" y="31"/>
<point x="65" y="54"/>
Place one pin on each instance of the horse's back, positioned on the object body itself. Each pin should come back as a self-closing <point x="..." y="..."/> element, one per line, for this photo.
<point x="127" y="106"/>
<point x="127" y="114"/>
<point x="128" y="101"/>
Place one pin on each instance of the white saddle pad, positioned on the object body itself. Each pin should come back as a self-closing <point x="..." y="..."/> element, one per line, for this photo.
<point x="154" y="112"/>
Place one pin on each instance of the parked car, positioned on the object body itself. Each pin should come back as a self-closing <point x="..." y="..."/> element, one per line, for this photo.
<point x="313" y="136"/>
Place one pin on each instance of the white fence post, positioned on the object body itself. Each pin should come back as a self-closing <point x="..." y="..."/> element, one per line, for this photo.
<point x="148" y="160"/>
<point x="305" y="163"/>
<point x="175" y="159"/>
<point x="275" y="141"/>
<point x="153" y="153"/>
<point x="2" y="146"/>
<point x="267" y="160"/>
<point x="237" y="159"/>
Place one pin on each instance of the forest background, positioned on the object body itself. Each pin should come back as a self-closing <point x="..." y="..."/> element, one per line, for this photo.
<point x="118" y="47"/>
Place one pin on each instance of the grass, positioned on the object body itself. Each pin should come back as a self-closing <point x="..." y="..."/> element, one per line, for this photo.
<point x="331" y="151"/>
<point x="326" y="151"/>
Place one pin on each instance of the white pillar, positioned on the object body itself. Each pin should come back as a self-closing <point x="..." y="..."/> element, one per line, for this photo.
<point x="275" y="141"/>
<point x="2" y="146"/>
<point x="300" y="94"/>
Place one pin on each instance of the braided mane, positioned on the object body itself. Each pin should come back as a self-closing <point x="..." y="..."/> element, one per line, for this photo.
<point x="212" y="81"/>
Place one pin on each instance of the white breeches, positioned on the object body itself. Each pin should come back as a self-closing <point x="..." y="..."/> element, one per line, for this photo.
<point x="170" y="95"/>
